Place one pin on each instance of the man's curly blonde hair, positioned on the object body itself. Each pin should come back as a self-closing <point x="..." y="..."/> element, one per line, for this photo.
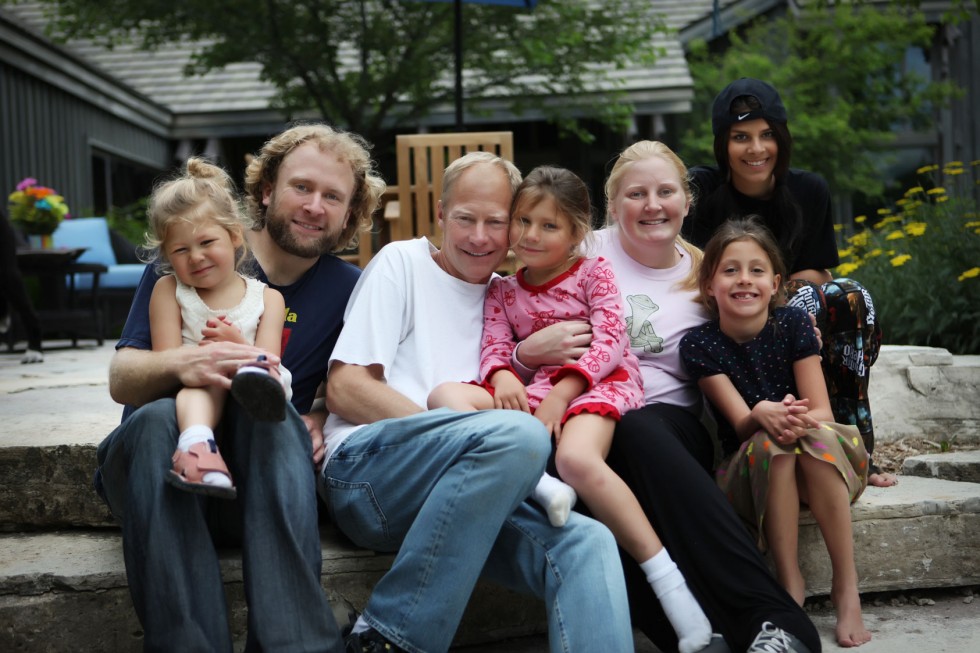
<point x="350" y="148"/>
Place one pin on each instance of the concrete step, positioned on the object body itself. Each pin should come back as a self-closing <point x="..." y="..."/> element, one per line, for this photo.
<point x="67" y="591"/>
<point x="54" y="414"/>
<point x="925" y="392"/>
<point x="47" y="456"/>
<point x="951" y="466"/>
<point x="923" y="532"/>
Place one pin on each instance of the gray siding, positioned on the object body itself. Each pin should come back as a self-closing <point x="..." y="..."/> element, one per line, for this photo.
<point x="49" y="134"/>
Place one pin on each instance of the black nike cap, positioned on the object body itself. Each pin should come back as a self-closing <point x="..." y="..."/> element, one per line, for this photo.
<point x="771" y="106"/>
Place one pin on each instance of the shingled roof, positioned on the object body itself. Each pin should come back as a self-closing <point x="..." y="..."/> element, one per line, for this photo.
<point x="235" y="100"/>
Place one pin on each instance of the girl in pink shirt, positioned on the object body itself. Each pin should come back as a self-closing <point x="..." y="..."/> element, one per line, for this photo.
<point x="579" y="402"/>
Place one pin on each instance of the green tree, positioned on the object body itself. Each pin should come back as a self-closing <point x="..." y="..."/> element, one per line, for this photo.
<point x="371" y="65"/>
<point x="840" y="72"/>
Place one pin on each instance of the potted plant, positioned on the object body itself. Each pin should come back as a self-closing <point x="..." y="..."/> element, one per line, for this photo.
<point x="37" y="211"/>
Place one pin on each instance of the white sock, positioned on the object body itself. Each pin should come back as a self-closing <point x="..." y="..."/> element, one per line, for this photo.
<point x="686" y="616"/>
<point x="360" y="625"/>
<point x="556" y="497"/>
<point x="201" y="433"/>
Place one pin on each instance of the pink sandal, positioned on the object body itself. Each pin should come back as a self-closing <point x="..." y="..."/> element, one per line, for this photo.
<point x="191" y="466"/>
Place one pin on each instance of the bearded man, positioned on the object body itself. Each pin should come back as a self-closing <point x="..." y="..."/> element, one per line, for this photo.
<point x="309" y="191"/>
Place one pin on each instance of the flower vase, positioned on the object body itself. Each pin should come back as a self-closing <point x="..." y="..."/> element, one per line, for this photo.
<point x="40" y="241"/>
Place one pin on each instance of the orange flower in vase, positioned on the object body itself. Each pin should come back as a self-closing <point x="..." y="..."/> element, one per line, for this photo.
<point x="36" y="210"/>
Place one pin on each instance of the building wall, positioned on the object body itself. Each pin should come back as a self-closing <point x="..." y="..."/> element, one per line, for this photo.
<point x="50" y="134"/>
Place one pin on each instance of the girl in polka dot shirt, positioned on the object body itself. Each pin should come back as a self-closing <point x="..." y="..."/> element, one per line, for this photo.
<point x="758" y="364"/>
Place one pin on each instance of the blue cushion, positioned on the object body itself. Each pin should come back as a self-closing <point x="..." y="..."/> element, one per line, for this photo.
<point x="93" y="234"/>
<point x="123" y="275"/>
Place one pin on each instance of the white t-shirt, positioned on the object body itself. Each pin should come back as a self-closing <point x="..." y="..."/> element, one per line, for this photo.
<point x="413" y="318"/>
<point x="657" y="316"/>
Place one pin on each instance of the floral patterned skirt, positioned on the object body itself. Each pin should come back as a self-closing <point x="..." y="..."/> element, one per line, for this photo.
<point x="744" y="476"/>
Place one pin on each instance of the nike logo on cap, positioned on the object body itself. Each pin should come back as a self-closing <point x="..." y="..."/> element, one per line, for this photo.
<point x="743" y="116"/>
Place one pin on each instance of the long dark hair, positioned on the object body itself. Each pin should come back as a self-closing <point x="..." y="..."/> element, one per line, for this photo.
<point x="721" y="205"/>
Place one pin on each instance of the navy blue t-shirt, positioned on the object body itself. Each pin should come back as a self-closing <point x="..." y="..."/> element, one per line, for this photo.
<point x="314" y="316"/>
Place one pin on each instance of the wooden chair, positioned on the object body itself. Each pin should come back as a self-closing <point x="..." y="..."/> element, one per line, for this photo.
<point x="421" y="160"/>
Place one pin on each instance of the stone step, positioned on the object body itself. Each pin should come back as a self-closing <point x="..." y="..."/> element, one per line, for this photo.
<point x="951" y="466"/>
<point x="923" y="532"/>
<point x="925" y="392"/>
<point x="62" y="591"/>
<point x="47" y="456"/>
<point x="67" y="591"/>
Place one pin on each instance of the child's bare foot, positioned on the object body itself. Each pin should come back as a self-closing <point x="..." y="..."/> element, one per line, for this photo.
<point x="882" y="479"/>
<point x="850" y="630"/>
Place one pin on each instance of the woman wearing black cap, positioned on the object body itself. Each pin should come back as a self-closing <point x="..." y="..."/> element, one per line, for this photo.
<point x="753" y="148"/>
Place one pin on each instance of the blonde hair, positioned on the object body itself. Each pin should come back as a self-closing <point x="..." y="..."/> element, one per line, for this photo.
<point x="202" y="192"/>
<point x="456" y="169"/>
<point x="263" y="171"/>
<point x="566" y="189"/>
<point x="640" y="151"/>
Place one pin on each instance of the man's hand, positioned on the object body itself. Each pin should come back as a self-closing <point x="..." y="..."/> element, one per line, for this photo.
<point x="215" y="363"/>
<point x="139" y="376"/>
<point x="314" y="421"/>
<point x="509" y="392"/>
<point x="558" y="344"/>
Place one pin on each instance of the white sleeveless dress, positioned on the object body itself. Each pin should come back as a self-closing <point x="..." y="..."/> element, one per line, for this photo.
<point x="194" y="313"/>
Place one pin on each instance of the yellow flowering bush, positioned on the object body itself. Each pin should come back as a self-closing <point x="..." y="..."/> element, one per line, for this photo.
<point x="920" y="259"/>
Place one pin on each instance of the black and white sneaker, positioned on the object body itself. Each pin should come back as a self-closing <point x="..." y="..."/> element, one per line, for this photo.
<point x="259" y="392"/>
<point x="369" y="641"/>
<point x="772" y="639"/>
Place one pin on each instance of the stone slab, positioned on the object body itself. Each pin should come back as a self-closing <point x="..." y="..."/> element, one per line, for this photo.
<point x="66" y="591"/>
<point x="925" y="392"/>
<point x="920" y="533"/>
<point x="64" y="400"/>
<point x="49" y="487"/>
<point x="950" y="466"/>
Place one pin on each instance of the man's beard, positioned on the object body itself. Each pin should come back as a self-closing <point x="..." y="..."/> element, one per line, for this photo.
<point x="279" y="230"/>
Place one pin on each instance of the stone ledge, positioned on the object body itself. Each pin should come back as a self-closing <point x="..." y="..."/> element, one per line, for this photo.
<point x="48" y="487"/>
<point x="920" y="533"/>
<point x="952" y="466"/>
<point x="67" y="591"/>
<point x="925" y="392"/>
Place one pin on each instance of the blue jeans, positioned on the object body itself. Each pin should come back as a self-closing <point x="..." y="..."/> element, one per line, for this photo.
<point x="447" y="491"/>
<point x="171" y="563"/>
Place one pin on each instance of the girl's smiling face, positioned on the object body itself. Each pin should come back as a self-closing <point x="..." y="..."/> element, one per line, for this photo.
<point x="743" y="284"/>
<point x="543" y="239"/>
<point x="752" y="156"/>
<point x="201" y="254"/>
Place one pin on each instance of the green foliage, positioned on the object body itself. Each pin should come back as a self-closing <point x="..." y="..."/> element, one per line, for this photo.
<point x="371" y="65"/>
<point x="840" y="72"/>
<point x="921" y="261"/>
<point x="129" y="221"/>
